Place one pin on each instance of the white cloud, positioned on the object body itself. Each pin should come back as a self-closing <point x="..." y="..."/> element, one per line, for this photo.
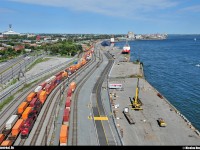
<point x="121" y="8"/>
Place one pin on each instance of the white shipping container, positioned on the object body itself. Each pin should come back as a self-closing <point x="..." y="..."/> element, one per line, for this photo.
<point x="66" y="123"/>
<point x="52" y="78"/>
<point x="63" y="144"/>
<point x="48" y="80"/>
<point x="38" y="89"/>
<point x="11" y="121"/>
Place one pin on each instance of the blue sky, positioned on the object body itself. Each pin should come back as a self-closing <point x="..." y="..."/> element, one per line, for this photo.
<point x="101" y="16"/>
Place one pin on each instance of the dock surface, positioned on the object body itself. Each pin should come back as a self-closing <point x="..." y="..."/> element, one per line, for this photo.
<point x="146" y="130"/>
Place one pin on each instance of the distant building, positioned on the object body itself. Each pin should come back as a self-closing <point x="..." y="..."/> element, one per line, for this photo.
<point x="19" y="47"/>
<point x="10" y="31"/>
<point x="30" y="35"/>
<point x="131" y="35"/>
<point x="38" y="38"/>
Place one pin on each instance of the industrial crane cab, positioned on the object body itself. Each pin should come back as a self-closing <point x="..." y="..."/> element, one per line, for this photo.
<point x="161" y="122"/>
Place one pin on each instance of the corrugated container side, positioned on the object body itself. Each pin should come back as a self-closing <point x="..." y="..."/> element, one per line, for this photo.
<point x="58" y="74"/>
<point x="43" y="84"/>
<point x="52" y="78"/>
<point x="72" y="86"/>
<point x="31" y="96"/>
<point x="69" y="92"/>
<point x="22" y="107"/>
<point x="38" y="88"/>
<point x="63" y="134"/>
<point x="66" y="115"/>
<point x="26" y="112"/>
<point x="16" y="128"/>
<point x="48" y="88"/>
<point x="68" y="102"/>
<point x="64" y="74"/>
<point x="11" y="121"/>
<point x="69" y="98"/>
<point x="6" y="143"/>
<point x="53" y="83"/>
<point x="48" y="80"/>
<point x="32" y="103"/>
<point x="43" y="96"/>
<point x="59" y="79"/>
<point x="1" y="138"/>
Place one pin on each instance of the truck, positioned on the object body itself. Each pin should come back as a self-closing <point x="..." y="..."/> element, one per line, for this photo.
<point x="161" y="122"/>
<point x="15" y="130"/>
<point x="9" y="124"/>
<point x="128" y="116"/>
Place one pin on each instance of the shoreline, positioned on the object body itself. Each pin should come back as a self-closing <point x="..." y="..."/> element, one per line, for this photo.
<point x="150" y="112"/>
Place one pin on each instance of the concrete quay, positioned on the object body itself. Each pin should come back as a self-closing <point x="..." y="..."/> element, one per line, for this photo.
<point x="146" y="130"/>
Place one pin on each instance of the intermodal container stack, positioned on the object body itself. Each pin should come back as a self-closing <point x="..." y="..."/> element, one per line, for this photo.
<point x="63" y="135"/>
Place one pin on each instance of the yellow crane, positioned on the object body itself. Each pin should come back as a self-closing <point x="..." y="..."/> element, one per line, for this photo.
<point x="136" y="103"/>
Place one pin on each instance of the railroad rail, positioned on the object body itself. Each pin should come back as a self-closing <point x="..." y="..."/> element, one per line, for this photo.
<point x="98" y="110"/>
<point x="75" y="100"/>
<point x="49" y="100"/>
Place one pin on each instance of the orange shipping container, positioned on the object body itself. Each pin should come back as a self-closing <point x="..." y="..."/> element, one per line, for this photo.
<point x="1" y="138"/>
<point x="78" y="66"/>
<point x="72" y="86"/>
<point x="43" y="96"/>
<point x="22" y="107"/>
<point x="30" y="96"/>
<point x="6" y="143"/>
<point x="63" y="134"/>
<point x="26" y="112"/>
<point x="83" y="62"/>
<point x="64" y="74"/>
<point x="16" y="128"/>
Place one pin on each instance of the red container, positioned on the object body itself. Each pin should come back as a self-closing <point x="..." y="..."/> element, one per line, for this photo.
<point x="48" y="88"/>
<point x="53" y="83"/>
<point x="32" y="103"/>
<point x="68" y="102"/>
<point x="66" y="115"/>
<point x="43" y="84"/>
<point x="58" y="79"/>
<point x="69" y="92"/>
<point x="58" y="74"/>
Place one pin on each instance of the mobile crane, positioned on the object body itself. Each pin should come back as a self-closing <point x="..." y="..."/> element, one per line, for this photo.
<point x="136" y="103"/>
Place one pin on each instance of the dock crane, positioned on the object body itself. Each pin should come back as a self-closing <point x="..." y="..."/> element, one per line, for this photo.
<point x="136" y="103"/>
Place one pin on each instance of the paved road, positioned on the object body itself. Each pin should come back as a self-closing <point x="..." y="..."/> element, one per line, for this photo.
<point x="16" y="68"/>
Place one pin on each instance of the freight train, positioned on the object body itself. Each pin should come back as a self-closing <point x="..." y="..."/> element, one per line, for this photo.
<point x="66" y="115"/>
<point x="27" y="112"/>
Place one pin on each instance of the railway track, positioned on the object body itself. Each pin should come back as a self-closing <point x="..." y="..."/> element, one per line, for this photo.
<point x="19" y="99"/>
<point x="75" y="100"/>
<point x="50" y="99"/>
<point x="98" y="110"/>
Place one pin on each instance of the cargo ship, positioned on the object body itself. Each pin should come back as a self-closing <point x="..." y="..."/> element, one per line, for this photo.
<point x="126" y="48"/>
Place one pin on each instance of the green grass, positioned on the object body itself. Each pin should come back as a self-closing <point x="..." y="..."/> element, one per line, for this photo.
<point x="37" y="61"/>
<point x="13" y="81"/>
<point x="6" y="101"/>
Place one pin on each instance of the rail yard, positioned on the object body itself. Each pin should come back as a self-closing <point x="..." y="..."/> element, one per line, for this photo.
<point x="101" y="99"/>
